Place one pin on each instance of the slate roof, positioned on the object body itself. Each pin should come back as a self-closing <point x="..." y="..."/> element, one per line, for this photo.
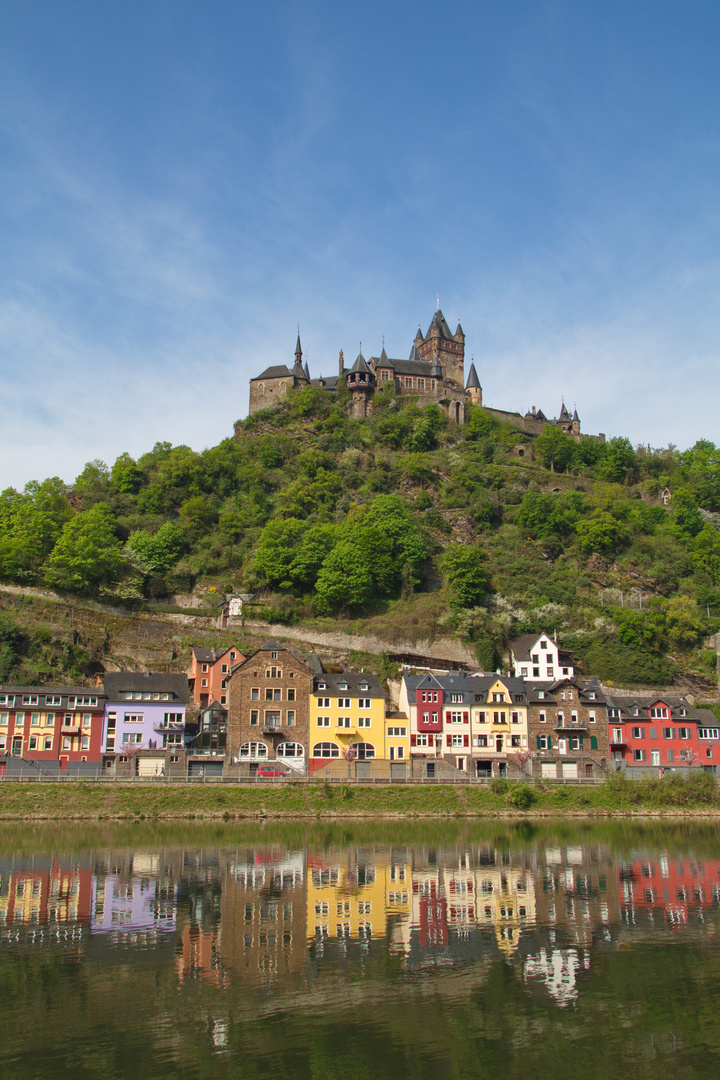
<point x="403" y="367"/>
<point x="118" y="682"/>
<point x="279" y="371"/>
<point x="353" y="681"/>
<point x="329" y="383"/>
<point x="474" y="688"/>
<point x="676" y="703"/>
<point x="209" y="656"/>
<point x="439" y="322"/>
<point x="472" y="379"/>
<point x="360" y="365"/>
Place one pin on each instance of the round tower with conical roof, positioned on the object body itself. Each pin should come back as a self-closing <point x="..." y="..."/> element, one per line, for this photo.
<point x="360" y="381"/>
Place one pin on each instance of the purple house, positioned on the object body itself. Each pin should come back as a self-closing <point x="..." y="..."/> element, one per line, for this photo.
<point x="144" y="710"/>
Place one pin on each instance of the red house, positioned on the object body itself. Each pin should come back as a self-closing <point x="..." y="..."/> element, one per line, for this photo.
<point x="662" y="733"/>
<point x="50" y="724"/>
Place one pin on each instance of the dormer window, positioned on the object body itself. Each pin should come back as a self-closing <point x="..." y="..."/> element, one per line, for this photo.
<point x="541" y="693"/>
<point x="344" y="686"/>
<point x="364" y="686"/>
<point x="322" y="686"/>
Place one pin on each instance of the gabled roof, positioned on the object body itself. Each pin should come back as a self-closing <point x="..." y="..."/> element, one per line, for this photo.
<point x="210" y="656"/>
<point x="279" y="371"/>
<point x="564" y="414"/>
<point x="472" y="379"/>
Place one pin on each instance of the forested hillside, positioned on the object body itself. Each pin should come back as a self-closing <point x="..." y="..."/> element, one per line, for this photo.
<point x="405" y="518"/>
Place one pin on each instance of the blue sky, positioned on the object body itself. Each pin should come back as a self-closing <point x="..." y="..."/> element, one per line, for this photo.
<point x="181" y="184"/>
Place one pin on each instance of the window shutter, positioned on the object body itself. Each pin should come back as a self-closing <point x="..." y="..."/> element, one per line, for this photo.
<point x="449" y="740"/>
<point x="466" y="740"/>
<point x="593" y="742"/>
<point x="466" y="718"/>
<point x="413" y="739"/>
<point x="447" y="717"/>
<point x="549" y="739"/>
<point x="538" y="741"/>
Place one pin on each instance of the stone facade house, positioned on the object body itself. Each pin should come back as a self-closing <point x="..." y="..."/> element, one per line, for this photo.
<point x="269" y="709"/>
<point x="567" y="729"/>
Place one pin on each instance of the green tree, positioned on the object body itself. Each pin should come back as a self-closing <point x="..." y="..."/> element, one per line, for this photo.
<point x="466" y="575"/>
<point x="554" y="448"/>
<point x="126" y="474"/>
<point x="600" y="534"/>
<point x="617" y="463"/>
<point x="345" y="580"/>
<point x="156" y="553"/>
<point x="87" y="553"/>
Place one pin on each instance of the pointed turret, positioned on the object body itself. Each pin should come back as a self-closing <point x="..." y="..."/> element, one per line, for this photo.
<point x="473" y="382"/>
<point x="436" y="371"/>
<point x="473" y="387"/>
<point x="298" y="350"/>
<point x="360" y="382"/>
<point x="306" y="369"/>
<point x="360" y="364"/>
<point x="565" y="416"/>
<point x="414" y="354"/>
<point x="383" y="354"/>
<point x="459" y="336"/>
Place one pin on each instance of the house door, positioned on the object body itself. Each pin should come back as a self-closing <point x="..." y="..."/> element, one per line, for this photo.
<point x="654" y="757"/>
<point x="17" y="745"/>
<point x="561" y="746"/>
<point x="498" y="744"/>
<point x="588" y="769"/>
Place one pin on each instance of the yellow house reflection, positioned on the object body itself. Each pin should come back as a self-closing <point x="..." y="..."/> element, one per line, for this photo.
<point x="358" y="899"/>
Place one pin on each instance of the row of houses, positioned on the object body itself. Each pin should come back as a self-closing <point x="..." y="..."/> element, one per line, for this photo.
<point x="282" y="713"/>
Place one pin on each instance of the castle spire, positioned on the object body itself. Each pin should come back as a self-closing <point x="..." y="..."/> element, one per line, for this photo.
<point x="298" y="350"/>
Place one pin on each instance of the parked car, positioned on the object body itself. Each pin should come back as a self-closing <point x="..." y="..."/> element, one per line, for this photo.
<point x="266" y="770"/>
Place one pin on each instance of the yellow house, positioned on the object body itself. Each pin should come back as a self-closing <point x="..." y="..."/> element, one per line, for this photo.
<point x="499" y="724"/>
<point x="355" y="900"/>
<point x="505" y="900"/>
<point x="347" y="719"/>
<point x="397" y="737"/>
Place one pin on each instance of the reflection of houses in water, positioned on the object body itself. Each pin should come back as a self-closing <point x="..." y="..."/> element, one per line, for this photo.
<point x="135" y="897"/>
<point x="471" y="890"/>
<point x="674" y="887"/>
<point x="263" y="916"/>
<point x="557" y="970"/>
<point x="577" y="891"/>
<point x="365" y="897"/>
<point x="50" y="903"/>
<point x="199" y="954"/>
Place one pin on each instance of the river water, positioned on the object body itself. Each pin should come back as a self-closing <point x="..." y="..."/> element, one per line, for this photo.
<point x="377" y="950"/>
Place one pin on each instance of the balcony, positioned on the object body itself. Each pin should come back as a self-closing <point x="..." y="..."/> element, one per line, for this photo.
<point x="169" y="727"/>
<point x="272" y="729"/>
<point x="570" y="726"/>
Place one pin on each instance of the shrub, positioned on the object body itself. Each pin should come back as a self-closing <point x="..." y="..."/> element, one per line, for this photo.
<point x="522" y="797"/>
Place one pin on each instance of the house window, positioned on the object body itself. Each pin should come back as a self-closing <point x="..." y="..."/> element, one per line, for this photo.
<point x="639" y="755"/>
<point x="515" y="740"/>
<point x="343" y="721"/>
<point x="617" y="735"/>
<point x="291" y="694"/>
<point x="128" y="737"/>
<point x="457" y="740"/>
<point x="456" y="699"/>
<point x="684" y="733"/>
<point x="323" y="721"/>
<point x="53" y="699"/>
<point x="323" y="703"/>
<point x="223" y="669"/>
<point x="35" y="719"/>
<point x="397" y="732"/>
<point x="85" y="742"/>
<point x="668" y="733"/>
<point x="290" y="749"/>
<point x="591" y="716"/>
<point x="481" y="718"/>
<point x="343" y="703"/>
<point x="32" y="745"/>
<point x="326" y="750"/>
<point x="421" y="739"/>
<point x="421" y="384"/>
<point x="272" y="719"/>
<point x="67" y="742"/>
<point x="542" y="717"/>
<point x="254" y="716"/>
<point x="456" y="717"/>
<point x="253" y="750"/>
<point x="273" y="655"/>
<point x="48" y="742"/>
<point x="291" y="718"/>
<point x="128" y="717"/>
<point x="30" y="699"/>
<point x="516" y="718"/>
<point x="543" y="644"/>
<point x="482" y="740"/>
<point x="364" y="703"/>
<point x="498" y="718"/>
<point x="205" y="667"/>
<point x="255" y="694"/>
<point x="542" y="742"/>
<point x="364" y="750"/>
<point x="498" y="697"/>
<point x="523" y="672"/>
<point x="637" y="732"/>
<point x="408" y="382"/>
<point x="203" y="682"/>
<point x="364" y="721"/>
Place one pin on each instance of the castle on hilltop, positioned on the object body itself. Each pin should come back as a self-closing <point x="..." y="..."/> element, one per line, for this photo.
<point x="434" y="372"/>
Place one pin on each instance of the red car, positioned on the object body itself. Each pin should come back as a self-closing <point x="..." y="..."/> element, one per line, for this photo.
<point x="265" y="770"/>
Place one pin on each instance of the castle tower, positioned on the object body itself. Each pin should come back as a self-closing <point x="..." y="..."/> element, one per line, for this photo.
<point x="360" y="382"/>
<point x="445" y="347"/>
<point x="298" y="351"/>
<point x="473" y="386"/>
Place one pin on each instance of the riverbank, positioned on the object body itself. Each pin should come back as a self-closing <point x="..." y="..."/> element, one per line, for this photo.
<point x="84" y="801"/>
